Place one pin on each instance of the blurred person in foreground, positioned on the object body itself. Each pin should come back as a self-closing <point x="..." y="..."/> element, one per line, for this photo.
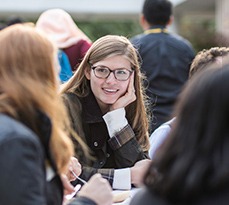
<point x="35" y="148"/>
<point x="166" y="59"/>
<point x="192" y="165"/>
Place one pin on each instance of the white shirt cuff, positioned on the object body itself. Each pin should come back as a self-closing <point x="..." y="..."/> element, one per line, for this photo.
<point x="115" y="120"/>
<point x="119" y="175"/>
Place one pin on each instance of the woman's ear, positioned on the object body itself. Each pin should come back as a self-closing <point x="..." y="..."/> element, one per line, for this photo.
<point x="87" y="73"/>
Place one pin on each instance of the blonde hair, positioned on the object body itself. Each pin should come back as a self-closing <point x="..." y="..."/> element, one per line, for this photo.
<point x="28" y="84"/>
<point x="107" y="46"/>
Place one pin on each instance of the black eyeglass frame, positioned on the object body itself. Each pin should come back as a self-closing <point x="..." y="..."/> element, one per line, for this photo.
<point x="112" y="71"/>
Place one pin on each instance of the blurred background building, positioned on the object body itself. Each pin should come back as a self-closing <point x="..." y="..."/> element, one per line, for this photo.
<point x="203" y="22"/>
<point x="80" y="9"/>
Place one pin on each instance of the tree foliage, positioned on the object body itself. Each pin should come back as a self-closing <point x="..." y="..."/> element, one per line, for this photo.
<point x="97" y="29"/>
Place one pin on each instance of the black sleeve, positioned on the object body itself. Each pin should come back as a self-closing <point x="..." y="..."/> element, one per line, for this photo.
<point x="22" y="174"/>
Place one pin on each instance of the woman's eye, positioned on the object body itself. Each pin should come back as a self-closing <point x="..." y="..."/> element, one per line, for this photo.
<point x="121" y="72"/>
<point x="102" y="70"/>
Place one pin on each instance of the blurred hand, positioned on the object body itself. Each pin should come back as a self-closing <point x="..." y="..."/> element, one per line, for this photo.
<point x="68" y="188"/>
<point x="74" y="169"/>
<point x="97" y="189"/>
<point x="138" y="171"/>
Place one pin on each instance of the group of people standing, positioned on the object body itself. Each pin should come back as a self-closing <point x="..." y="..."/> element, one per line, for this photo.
<point x="97" y="124"/>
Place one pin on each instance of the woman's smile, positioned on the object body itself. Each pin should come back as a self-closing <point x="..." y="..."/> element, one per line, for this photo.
<point x="110" y="91"/>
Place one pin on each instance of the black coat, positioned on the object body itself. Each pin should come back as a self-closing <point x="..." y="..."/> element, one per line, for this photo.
<point x="87" y="121"/>
<point x="23" y="169"/>
<point x="22" y="162"/>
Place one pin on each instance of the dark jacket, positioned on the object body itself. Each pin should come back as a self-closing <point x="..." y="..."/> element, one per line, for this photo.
<point x="166" y="60"/>
<point x="22" y="162"/>
<point x="23" y="169"/>
<point x="145" y="197"/>
<point x="120" y="151"/>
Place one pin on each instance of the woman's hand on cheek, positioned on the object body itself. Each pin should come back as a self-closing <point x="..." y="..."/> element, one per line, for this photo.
<point x="127" y="98"/>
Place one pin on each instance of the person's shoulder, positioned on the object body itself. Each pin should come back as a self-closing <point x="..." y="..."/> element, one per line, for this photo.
<point x="143" y="41"/>
<point x="178" y="37"/>
<point x="170" y="122"/>
<point x="82" y="43"/>
<point x="164" y="128"/>
<point x="70" y="96"/>
<point x="14" y="128"/>
<point x="137" y="39"/>
<point x="181" y="41"/>
<point x="14" y="133"/>
<point x="72" y="101"/>
<point x="158" y="136"/>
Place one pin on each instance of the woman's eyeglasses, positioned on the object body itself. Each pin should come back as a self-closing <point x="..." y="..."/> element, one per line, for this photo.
<point x="121" y="74"/>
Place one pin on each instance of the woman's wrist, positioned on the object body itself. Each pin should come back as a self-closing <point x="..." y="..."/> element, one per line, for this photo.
<point x="115" y="120"/>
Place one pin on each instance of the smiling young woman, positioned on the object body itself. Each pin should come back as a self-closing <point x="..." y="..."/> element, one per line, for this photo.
<point x="106" y="104"/>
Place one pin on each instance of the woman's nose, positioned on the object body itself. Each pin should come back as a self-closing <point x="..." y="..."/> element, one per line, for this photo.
<point x="111" y="78"/>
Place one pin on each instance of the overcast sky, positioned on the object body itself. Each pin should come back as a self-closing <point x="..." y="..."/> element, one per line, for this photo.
<point x="175" y="2"/>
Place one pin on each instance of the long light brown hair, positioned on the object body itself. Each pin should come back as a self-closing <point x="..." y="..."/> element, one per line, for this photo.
<point x="28" y="83"/>
<point x="107" y="46"/>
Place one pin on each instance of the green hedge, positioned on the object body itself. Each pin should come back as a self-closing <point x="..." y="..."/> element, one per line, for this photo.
<point x="97" y="29"/>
